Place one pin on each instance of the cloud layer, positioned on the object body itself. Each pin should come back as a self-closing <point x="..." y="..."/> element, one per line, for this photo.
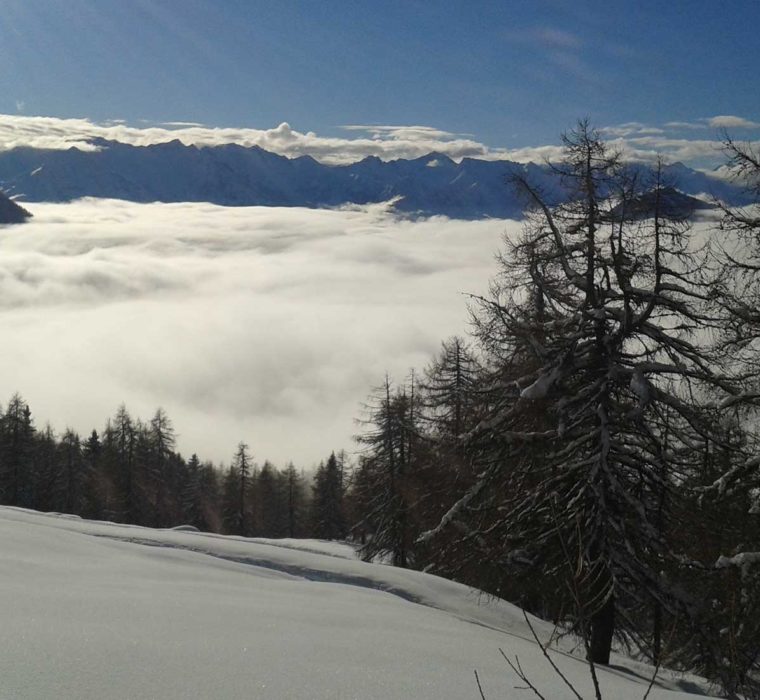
<point x="263" y="324"/>
<point x="674" y="140"/>
<point x="386" y="142"/>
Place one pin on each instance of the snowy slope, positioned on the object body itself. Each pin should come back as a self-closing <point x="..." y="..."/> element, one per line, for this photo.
<point x="97" y="610"/>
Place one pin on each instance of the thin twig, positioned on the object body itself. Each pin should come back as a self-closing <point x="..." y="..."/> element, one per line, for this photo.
<point x="480" y="687"/>
<point x="548" y="658"/>
<point x="517" y="668"/>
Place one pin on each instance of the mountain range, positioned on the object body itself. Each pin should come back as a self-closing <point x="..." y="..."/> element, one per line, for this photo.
<point x="235" y="175"/>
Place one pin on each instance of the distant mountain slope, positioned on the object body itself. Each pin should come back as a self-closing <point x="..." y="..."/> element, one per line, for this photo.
<point x="672" y="203"/>
<point x="10" y="212"/>
<point x="237" y="175"/>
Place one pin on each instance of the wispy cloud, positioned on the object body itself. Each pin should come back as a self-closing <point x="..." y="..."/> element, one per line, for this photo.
<point x="554" y="38"/>
<point x="685" y="125"/>
<point x="723" y="121"/>
<point x="545" y="37"/>
<point x="728" y="121"/>
<point x="631" y="129"/>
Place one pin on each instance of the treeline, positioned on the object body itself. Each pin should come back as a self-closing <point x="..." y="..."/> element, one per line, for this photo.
<point x="592" y="451"/>
<point x="131" y="473"/>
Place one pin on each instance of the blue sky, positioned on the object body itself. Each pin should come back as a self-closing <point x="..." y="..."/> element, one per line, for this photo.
<point x="505" y="74"/>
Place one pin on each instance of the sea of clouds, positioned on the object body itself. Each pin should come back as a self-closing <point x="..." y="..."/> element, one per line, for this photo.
<point x="268" y="325"/>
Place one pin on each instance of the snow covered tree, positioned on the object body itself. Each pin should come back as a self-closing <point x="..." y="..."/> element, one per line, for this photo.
<point x="728" y="488"/>
<point x="604" y="307"/>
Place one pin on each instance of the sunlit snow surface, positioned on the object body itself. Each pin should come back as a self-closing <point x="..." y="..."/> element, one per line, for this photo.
<point x="96" y="610"/>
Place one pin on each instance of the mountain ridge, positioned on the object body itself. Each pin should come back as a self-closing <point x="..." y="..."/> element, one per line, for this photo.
<point x="235" y="175"/>
<point x="10" y="212"/>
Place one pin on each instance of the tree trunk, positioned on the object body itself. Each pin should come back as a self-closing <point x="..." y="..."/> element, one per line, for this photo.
<point x="602" y="629"/>
<point x="657" y="634"/>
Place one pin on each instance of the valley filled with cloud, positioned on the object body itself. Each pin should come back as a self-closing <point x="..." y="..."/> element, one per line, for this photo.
<point x="268" y="325"/>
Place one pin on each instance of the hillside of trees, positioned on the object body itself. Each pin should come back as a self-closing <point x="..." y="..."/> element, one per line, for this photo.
<point x="131" y="473"/>
<point x="591" y="451"/>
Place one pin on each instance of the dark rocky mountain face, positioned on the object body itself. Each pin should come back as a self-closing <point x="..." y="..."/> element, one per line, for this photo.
<point x="10" y="212"/>
<point x="234" y="175"/>
<point x="673" y="204"/>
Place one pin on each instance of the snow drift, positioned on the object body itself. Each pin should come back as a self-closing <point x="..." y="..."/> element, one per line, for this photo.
<point x="99" y="610"/>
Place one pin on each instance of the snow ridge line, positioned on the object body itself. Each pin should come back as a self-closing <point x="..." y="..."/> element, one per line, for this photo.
<point x="307" y="573"/>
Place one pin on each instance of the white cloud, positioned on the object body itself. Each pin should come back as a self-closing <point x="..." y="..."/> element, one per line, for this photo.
<point x="638" y="140"/>
<point x="263" y="324"/>
<point x="728" y="121"/>
<point x="630" y="129"/>
<point x="647" y="148"/>
<point x="685" y="125"/>
<point x="386" y="142"/>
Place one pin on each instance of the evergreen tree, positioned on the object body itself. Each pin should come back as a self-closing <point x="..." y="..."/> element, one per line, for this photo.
<point x="191" y="494"/>
<point x="159" y="467"/>
<point x="43" y="472"/>
<point x="16" y="447"/>
<point x="122" y="468"/>
<point x="97" y="488"/>
<point x="385" y="476"/>
<point x="294" y="501"/>
<point x="449" y="389"/>
<point x="231" y="524"/>
<point x="237" y="511"/>
<point x="328" y="516"/>
<point x="210" y="500"/>
<point x="270" y="503"/>
<point x="75" y="474"/>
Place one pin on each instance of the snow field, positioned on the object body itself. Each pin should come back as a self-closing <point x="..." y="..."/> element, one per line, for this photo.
<point x="98" y="610"/>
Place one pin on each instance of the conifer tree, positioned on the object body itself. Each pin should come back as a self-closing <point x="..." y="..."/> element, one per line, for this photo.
<point x="385" y="475"/>
<point x="328" y="515"/>
<point x="122" y="468"/>
<point x="270" y="502"/>
<point x="159" y="444"/>
<point x="75" y="474"/>
<point x="237" y="514"/>
<point x="16" y="445"/>
<point x="191" y="494"/>
<point x="294" y="500"/>
<point x="601" y="306"/>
